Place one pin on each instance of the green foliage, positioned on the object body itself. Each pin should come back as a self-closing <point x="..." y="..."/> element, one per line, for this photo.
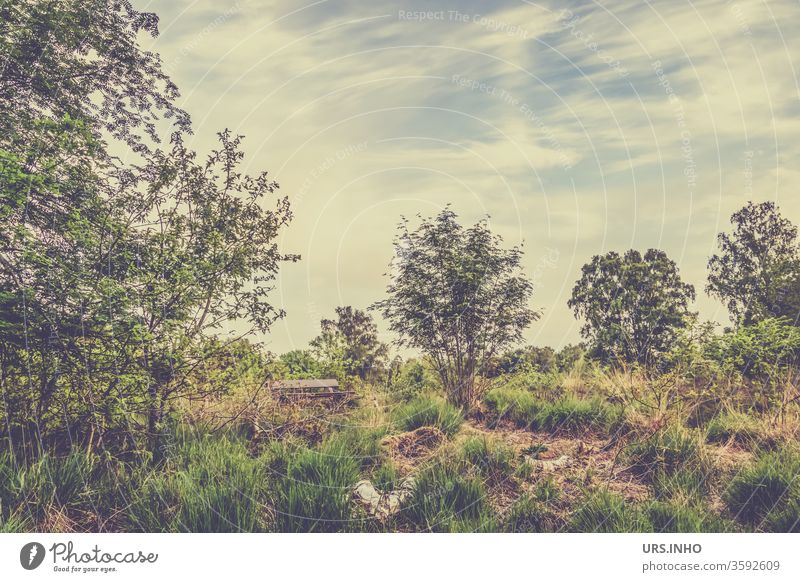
<point x="566" y="414"/>
<point x="527" y="359"/>
<point x="667" y="452"/>
<point x="457" y="296"/>
<point x="676" y="518"/>
<point x="494" y="459"/>
<point x="633" y="305"/>
<point x="82" y="60"/>
<point x="755" y="272"/>
<point x="300" y="364"/>
<point x="767" y="491"/>
<point x="312" y="488"/>
<point x="408" y="379"/>
<point x="209" y="484"/>
<point x="351" y="340"/>
<point x="428" y="411"/>
<point x="444" y="500"/>
<point x="764" y="351"/>
<point x="605" y="512"/>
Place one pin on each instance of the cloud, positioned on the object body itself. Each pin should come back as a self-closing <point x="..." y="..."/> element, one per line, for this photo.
<point x="600" y="127"/>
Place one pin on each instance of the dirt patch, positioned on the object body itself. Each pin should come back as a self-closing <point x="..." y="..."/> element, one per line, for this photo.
<point x="417" y="443"/>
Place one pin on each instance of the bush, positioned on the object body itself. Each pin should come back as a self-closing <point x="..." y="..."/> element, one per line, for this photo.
<point x="767" y="492"/>
<point x="446" y="501"/>
<point x="605" y="512"/>
<point x="429" y="411"/>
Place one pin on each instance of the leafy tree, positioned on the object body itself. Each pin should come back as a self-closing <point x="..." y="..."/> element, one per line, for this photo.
<point x="353" y="338"/>
<point x="112" y="277"/>
<point x="81" y="59"/>
<point x="206" y="256"/>
<point x="766" y="352"/>
<point x="458" y="296"/>
<point x="632" y="305"/>
<point x="527" y="359"/>
<point x="756" y="271"/>
<point x="300" y="364"/>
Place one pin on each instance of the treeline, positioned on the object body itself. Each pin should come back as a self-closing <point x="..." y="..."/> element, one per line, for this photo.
<point x="462" y="300"/>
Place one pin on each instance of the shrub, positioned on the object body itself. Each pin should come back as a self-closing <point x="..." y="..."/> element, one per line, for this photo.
<point x="314" y="494"/>
<point x="446" y="501"/>
<point x="429" y="411"/>
<point x="767" y="490"/>
<point x="605" y="512"/>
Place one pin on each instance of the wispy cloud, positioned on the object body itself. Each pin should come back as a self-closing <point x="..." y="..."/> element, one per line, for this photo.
<point x="577" y="129"/>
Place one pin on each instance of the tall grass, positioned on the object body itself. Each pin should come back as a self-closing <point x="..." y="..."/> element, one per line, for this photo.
<point x="314" y="492"/>
<point x="668" y="451"/>
<point x="491" y="457"/>
<point x="766" y="493"/>
<point x="566" y="414"/>
<point x="447" y="501"/>
<point x="29" y="491"/>
<point x="211" y="484"/>
<point x="428" y="411"/>
<point x="606" y="512"/>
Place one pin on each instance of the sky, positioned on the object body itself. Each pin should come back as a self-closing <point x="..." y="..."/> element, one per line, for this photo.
<point x="577" y="128"/>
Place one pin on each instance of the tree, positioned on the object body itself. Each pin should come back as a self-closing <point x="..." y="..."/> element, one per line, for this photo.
<point x="352" y="337"/>
<point x="112" y="278"/>
<point x="81" y="59"/>
<point x="756" y="271"/>
<point x="206" y="256"/>
<point x="632" y="305"/>
<point x="458" y="296"/>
